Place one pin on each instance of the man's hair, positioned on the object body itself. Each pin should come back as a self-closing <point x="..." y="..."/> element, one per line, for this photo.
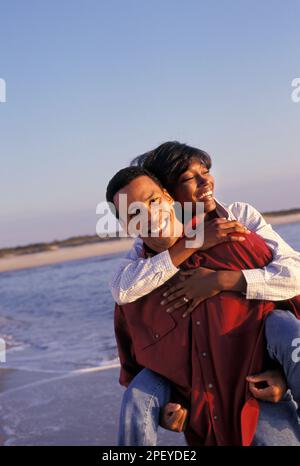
<point x="169" y="160"/>
<point x="123" y="177"/>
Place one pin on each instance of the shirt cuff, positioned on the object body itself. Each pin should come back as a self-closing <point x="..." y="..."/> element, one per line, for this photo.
<point x="255" y="284"/>
<point x="163" y="262"/>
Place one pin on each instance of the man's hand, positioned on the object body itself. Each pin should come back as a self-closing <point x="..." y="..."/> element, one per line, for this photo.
<point x="173" y="417"/>
<point x="268" y="386"/>
<point x="219" y="230"/>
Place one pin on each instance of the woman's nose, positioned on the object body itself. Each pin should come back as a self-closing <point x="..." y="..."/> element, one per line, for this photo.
<point x="201" y="181"/>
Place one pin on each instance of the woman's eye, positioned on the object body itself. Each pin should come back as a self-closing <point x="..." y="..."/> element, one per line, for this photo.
<point x="187" y="179"/>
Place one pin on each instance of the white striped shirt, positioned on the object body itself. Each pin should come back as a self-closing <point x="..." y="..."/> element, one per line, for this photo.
<point x="280" y="279"/>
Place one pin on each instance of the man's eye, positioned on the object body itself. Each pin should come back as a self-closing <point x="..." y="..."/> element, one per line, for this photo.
<point x="137" y="212"/>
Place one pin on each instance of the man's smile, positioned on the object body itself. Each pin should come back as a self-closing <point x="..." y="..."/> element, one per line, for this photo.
<point x="159" y="225"/>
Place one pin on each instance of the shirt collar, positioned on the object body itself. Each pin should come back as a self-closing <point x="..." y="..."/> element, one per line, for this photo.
<point x="223" y="210"/>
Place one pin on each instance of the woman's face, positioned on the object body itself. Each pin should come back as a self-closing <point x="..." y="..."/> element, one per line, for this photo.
<point x="196" y="184"/>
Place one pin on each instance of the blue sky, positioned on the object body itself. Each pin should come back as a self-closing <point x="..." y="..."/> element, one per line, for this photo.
<point x="91" y="84"/>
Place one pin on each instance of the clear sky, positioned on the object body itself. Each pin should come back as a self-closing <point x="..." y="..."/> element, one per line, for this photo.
<point x="91" y="84"/>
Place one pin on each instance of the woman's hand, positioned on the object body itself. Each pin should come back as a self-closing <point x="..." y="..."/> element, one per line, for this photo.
<point x="219" y="230"/>
<point x="194" y="287"/>
<point x="173" y="417"/>
<point x="199" y="284"/>
<point x="268" y="386"/>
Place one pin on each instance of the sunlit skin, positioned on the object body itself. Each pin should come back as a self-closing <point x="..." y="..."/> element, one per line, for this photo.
<point x="191" y="185"/>
<point x="144" y="190"/>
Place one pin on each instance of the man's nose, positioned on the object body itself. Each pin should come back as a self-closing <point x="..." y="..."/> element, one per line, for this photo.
<point x="154" y="213"/>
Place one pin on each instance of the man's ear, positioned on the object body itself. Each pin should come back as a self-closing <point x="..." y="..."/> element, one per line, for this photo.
<point x="121" y="221"/>
<point x="168" y="196"/>
<point x="123" y="224"/>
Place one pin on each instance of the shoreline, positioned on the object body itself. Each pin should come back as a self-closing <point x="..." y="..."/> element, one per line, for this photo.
<point x="39" y="259"/>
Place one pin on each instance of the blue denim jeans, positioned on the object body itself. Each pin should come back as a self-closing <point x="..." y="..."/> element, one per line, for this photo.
<point x="278" y="423"/>
<point x="282" y="330"/>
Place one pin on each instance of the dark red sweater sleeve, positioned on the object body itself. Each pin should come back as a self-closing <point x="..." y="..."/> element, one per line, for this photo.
<point x="129" y="366"/>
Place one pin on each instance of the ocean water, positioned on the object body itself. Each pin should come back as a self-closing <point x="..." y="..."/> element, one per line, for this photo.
<point x="60" y="317"/>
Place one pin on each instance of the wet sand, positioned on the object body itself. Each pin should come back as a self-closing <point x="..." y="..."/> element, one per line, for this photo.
<point x="75" y="408"/>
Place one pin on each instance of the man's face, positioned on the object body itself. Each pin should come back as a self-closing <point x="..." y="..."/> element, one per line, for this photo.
<point x="196" y="184"/>
<point x="145" y="191"/>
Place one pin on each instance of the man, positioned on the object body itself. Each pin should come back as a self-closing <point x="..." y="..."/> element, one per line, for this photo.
<point x="131" y="185"/>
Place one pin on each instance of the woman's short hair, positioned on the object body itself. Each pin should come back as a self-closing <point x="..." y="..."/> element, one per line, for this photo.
<point x="169" y="160"/>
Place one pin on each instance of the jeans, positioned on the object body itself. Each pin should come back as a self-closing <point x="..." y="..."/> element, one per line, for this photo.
<point x="282" y="330"/>
<point x="278" y="423"/>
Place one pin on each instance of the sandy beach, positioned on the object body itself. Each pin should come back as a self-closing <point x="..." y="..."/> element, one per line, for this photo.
<point x="39" y="259"/>
<point x="27" y="261"/>
<point x="282" y="219"/>
<point x="72" y="408"/>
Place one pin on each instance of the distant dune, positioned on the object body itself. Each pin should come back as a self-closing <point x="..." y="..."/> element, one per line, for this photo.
<point x="289" y="216"/>
<point x="63" y="254"/>
<point x="281" y="212"/>
<point x="54" y="245"/>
